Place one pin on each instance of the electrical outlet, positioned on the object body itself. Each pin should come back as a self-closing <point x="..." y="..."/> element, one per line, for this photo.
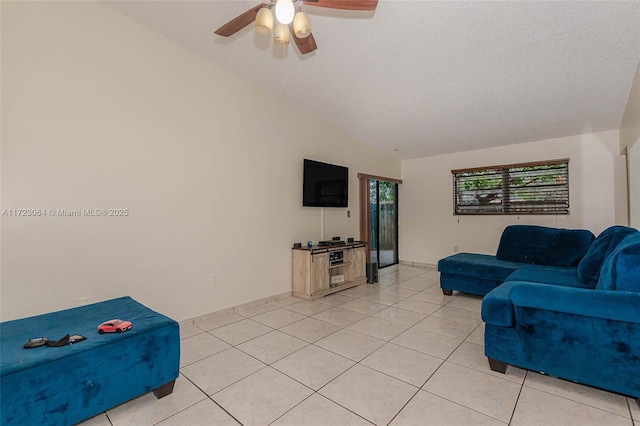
<point x="83" y="301"/>
<point x="456" y="249"/>
<point x="214" y="280"/>
<point x="348" y="213"/>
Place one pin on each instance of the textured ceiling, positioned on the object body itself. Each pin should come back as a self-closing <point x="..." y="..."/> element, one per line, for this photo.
<point x="421" y="78"/>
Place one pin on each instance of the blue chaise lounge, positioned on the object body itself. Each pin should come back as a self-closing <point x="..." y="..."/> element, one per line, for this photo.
<point x="554" y="250"/>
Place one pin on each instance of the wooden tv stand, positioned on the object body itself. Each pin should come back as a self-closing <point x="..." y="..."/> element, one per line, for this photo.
<point x="315" y="275"/>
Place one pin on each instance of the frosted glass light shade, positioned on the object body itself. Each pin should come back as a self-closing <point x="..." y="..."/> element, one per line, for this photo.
<point x="282" y="34"/>
<point x="285" y="11"/>
<point x="301" y="25"/>
<point x="264" y="21"/>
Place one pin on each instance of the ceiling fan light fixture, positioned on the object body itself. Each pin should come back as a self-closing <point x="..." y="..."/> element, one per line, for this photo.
<point x="264" y="21"/>
<point x="285" y="11"/>
<point x="301" y="25"/>
<point x="282" y="34"/>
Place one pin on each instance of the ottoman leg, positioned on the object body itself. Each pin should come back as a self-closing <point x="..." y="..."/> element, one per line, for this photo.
<point x="447" y="292"/>
<point x="498" y="366"/>
<point x="164" y="390"/>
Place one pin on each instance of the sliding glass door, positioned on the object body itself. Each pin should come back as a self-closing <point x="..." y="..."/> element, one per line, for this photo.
<point x="383" y="218"/>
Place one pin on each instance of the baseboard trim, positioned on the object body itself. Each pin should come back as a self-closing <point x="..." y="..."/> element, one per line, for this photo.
<point x="238" y="309"/>
<point x="417" y="264"/>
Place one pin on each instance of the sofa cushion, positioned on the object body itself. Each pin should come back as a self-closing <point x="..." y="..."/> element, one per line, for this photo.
<point x="541" y="245"/>
<point x="600" y="249"/>
<point x="556" y="275"/>
<point x="497" y="308"/>
<point x="621" y="270"/>
<point x="477" y="265"/>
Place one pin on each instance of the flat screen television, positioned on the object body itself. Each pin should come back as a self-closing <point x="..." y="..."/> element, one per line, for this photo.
<point x="325" y="185"/>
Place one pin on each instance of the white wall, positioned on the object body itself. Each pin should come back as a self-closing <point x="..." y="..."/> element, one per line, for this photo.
<point x="429" y="230"/>
<point x="100" y="112"/>
<point x="630" y="125"/>
<point x="633" y="154"/>
<point x="629" y="137"/>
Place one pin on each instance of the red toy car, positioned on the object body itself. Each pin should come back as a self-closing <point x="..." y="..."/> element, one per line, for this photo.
<point x="114" y="326"/>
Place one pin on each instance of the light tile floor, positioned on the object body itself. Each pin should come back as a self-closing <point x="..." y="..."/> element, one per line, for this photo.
<point x="393" y="353"/>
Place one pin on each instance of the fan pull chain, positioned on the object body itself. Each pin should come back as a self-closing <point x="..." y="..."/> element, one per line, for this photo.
<point x="284" y="78"/>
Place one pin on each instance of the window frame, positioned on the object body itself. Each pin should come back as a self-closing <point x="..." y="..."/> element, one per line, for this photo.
<point x="504" y="173"/>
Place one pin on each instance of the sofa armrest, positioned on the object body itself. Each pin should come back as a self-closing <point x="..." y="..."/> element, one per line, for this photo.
<point x="497" y="308"/>
<point x="604" y="304"/>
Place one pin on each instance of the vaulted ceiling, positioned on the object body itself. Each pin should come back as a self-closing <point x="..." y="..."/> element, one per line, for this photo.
<point x="420" y="78"/>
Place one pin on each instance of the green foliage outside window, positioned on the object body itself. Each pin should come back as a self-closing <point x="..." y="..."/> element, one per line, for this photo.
<point x="516" y="189"/>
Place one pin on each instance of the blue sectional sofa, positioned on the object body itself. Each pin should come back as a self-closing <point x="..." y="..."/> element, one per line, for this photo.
<point x="68" y="384"/>
<point x="558" y="250"/>
<point x="580" y="323"/>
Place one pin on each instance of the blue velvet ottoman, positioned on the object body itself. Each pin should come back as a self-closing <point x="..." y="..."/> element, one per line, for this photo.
<point x="68" y="384"/>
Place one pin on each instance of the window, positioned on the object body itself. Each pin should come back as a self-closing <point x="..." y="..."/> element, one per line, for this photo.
<point x="528" y="188"/>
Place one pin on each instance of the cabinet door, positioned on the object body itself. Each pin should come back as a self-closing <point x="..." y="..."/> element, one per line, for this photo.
<point x="358" y="263"/>
<point x="301" y="272"/>
<point x="319" y="272"/>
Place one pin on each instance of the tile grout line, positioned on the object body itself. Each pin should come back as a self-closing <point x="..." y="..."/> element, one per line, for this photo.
<point x="292" y="378"/>
<point x="515" y="406"/>
<point x="265" y="365"/>
<point x="321" y="395"/>
<point x="209" y="397"/>
<point x="447" y="359"/>
<point x="455" y="402"/>
<point x="342" y="373"/>
<point x="386" y="342"/>
<point x="308" y="344"/>
<point x="630" y="402"/>
<point x="573" y="400"/>
<point x="405" y="404"/>
<point x="380" y="290"/>
<point x="186" y="408"/>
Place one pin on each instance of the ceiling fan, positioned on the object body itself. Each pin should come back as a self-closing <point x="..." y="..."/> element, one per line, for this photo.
<point x="290" y="20"/>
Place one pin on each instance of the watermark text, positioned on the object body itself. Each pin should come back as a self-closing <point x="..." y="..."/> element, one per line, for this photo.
<point x="100" y="212"/>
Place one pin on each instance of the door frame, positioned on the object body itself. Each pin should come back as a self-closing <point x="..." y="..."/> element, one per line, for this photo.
<point x="365" y="206"/>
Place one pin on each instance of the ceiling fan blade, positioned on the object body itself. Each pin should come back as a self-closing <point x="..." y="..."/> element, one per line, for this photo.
<point x="305" y="45"/>
<point x="239" y="22"/>
<point x="344" y="4"/>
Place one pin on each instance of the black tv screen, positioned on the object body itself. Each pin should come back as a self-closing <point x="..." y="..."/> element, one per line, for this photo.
<point x="325" y="185"/>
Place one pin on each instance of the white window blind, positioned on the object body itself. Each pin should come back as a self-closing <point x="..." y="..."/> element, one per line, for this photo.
<point x="526" y="188"/>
